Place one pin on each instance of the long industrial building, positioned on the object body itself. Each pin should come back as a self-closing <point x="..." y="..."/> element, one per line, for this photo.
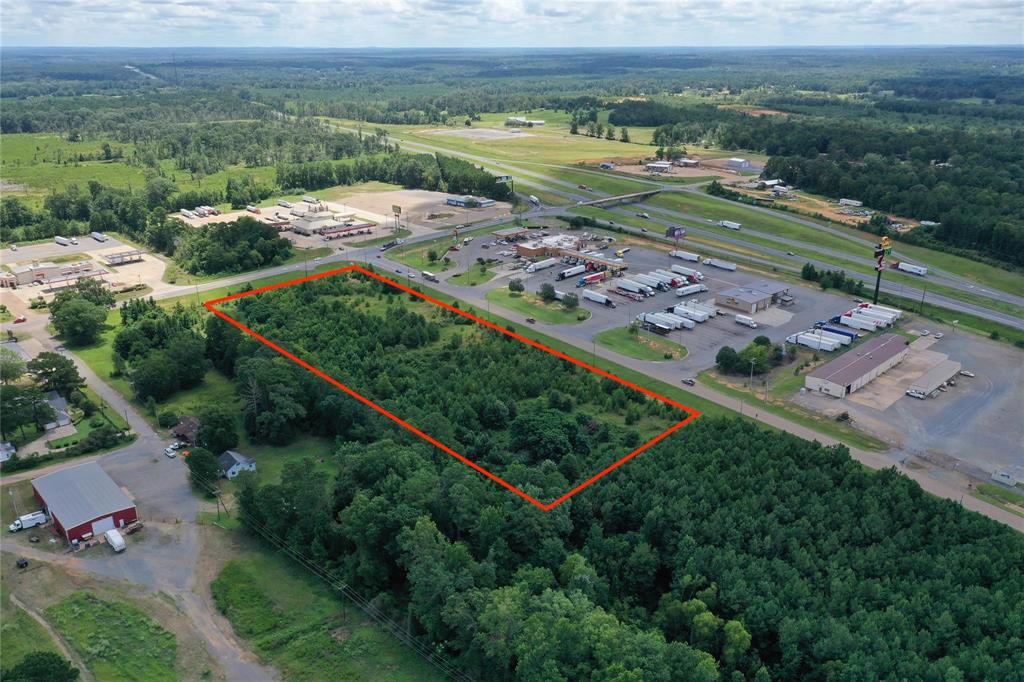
<point x="937" y="376"/>
<point x="854" y="369"/>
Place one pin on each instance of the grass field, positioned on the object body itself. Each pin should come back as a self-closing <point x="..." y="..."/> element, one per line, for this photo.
<point x="531" y="305"/>
<point x="20" y="633"/>
<point x="1009" y="500"/>
<point x="115" y="639"/>
<point x="473" y="276"/>
<point x="300" y="626"/>
<point x="642" y="346"/>
<point x="173" y="274"/>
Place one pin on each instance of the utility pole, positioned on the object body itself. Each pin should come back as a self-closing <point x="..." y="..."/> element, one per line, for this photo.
<point x="921" y="306"/>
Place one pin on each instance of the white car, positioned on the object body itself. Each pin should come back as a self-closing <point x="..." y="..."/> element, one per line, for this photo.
<point x="939" y="335"/>
<point x="171" y="452"/>
<point x="965" y="373"/>
<point x="925" y="332"/>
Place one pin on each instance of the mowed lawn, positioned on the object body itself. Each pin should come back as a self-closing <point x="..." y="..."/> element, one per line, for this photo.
<point x="642" y="345"/>
<point x="302" y="627"/>
<point x="531" y="305"/>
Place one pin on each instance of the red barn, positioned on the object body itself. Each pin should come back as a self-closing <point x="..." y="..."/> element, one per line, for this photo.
<point x="84" y="501"/>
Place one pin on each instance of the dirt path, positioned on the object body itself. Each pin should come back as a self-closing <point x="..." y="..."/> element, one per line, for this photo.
<point x="65" y="650"/>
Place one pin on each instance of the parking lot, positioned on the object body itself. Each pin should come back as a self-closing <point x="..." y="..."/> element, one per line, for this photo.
<point x="704" y="341"/>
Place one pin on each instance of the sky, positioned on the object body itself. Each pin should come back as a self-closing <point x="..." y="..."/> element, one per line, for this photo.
<point x="508" y="23"/>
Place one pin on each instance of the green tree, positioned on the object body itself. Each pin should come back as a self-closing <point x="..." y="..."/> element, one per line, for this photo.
<point x="623" y="134"/>
<point x="12" y="367"/>
<point x="727" y="359"/>
<point x="217" y="428"/>
<point x="54" y="372"/>
<point x="737" y="641"/>
<point x="154" y="377"/>
<point x="41" y="666"/>
<point x="547" y="292"/>
<point x="516" y="285"/>
<point x="571" y="301"/>
<point x="79" y="321"/>
<point x="203" y="468"/>
<point x="21" y="406"/>
<point x="432" y="256"/>
<point x="609" y="133"/>
<point x="186" y="353"/>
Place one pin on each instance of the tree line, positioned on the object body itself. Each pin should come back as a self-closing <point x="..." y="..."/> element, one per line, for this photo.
<point x="723" y="552"/>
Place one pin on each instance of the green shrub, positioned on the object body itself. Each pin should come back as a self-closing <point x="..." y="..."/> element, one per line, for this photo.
<point x="167" y="418"/>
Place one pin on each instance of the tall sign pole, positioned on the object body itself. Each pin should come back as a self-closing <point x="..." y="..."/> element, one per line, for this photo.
<point x="883" y="249"/>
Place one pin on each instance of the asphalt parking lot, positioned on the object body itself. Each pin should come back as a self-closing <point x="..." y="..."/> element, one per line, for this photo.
<point x="704" y="341"/>
<point x="52" y="249"/>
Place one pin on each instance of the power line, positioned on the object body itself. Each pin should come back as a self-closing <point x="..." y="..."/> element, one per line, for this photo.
<point x="382" y="619"/>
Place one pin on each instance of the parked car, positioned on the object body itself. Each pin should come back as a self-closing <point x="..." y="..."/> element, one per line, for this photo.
<point x="965" y="373"/>
<point x="939" y="335"/>
<point x="925" y="332"/>
<point x="170" y="452"/>
<point x="19" y="319"/>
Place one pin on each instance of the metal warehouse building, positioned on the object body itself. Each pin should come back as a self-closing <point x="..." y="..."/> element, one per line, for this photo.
<point x="937" y="376"/>
<point x="753" y="297"/>
<point x="84" y="501"/>
<point x="855" y="368"/>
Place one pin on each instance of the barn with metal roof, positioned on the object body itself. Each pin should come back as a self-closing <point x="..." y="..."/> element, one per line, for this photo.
<point x="84" y="501"/>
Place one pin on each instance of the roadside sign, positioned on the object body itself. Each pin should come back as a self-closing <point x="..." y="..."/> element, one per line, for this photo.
<point x="879" y="258"/>
<point x="396" y="209"/>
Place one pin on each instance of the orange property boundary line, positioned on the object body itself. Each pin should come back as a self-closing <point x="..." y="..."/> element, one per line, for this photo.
<point x="690" y="412"/>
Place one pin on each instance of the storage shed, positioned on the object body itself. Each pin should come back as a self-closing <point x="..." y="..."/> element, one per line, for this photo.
<point x="84" y="501"/>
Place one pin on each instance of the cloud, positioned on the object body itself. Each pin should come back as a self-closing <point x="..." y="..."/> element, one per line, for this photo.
<point x="497" y="23"/>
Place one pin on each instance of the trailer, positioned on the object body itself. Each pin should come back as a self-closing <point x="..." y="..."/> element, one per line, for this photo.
<point x="669" y="278"/>
<point x="559" y="295"/>
<point x="843" y="339"/>
<point x="853" y="336"/>
<point x="649" y="281"/>
<point x="310" y="200"/>
<point x="881" y="308"/>
<point x="284" y="204"/>
<point x="628" y="294"/>
<point x="688" y="272"/>
<point x="886" y="318"/>
<point x="877" y="319"/>
<point x="542" y="264"/>
<point x="857" y="323"/>
<point x="729" y="224"/>
<point x="591" y="295"/>
<point x="63" y="241"/>
<point x="591" y="279"/>
<point x="685" y="255"/>
<point x="188" y="214"/>
<point x="630" y="285"/>
<point x="577" y="270"/>
<point x="679" y="321"/>
<point x="912" y="269"/>
<point x="719" y="263"/>
<point x="813" y="341"/>
<point x="252" y="209"/>
<point x="708" y="308"/>
<point x="690" y="313"/>
<point x="654" y="319"/>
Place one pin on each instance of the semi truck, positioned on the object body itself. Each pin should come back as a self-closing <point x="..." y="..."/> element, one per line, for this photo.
<point x="661" y="320"/>
<point x="32" y="520"/>
<point x="601" y="299"/>
<point x="63" y="241"/>
<point x="912" y="269"/>
<point x="841" y="338"/>
<point x="690" y="313"/>
<point x="687" y="272"/>
<point x="746" y="321"/>
<point x="729" y="224"/>
<point x="669" y="278"/>
<point x="636" y="287"/>
<point x="593" y="278"/>
<point x="719" y="263"/>
<point x="679" y="321"/>
<point x="690" y="290"/>
<point x="542" y="264"/>
<point x="577" y="270"/>
<point x="885" y="309"/>
<point x="685" y="255"/>
<point x="99" y="236"/>
<point x="649" y="281"/>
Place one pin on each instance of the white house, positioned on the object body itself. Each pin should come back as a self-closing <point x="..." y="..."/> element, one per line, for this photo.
<point x="233" y="463"/>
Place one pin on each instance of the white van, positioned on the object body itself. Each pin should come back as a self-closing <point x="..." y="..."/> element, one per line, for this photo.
<point x="115" y="540"/>
<point x="746" y="321"/>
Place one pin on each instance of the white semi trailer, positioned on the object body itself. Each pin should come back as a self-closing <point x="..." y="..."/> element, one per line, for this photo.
<point x="685" y="255"/>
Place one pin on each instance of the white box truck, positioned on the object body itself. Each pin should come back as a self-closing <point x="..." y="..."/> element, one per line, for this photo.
<point x="729" y="224"/>
<point x="685" y="255"/>
<point x="746" y="321"/>
<point x="718" y="263"/>
<point x="591" y="295"/>
<point x="32" y="520"/>
<point x="912" y="269"/>
<point x="542" y="264"/>
<point x="115" y="540"/>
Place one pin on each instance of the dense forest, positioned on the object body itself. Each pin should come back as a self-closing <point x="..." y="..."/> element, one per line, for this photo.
<point x="723" y="552"/>
<point x="972" y="183"/>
